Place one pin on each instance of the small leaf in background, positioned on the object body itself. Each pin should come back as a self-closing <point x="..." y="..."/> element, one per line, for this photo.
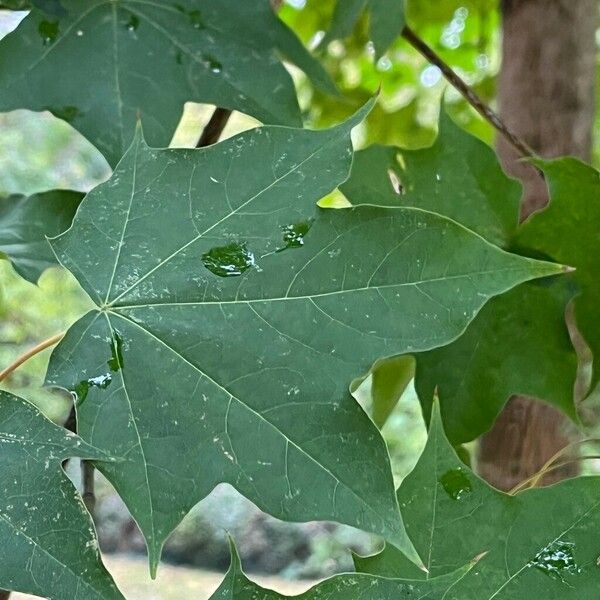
<point x="341" y="587"/>
<point x="48" y="544"/>
<point x="540" y="543"/>
<point x="518" y="344"/>
<point x="567" y="230"/>
<point x="110" y="57"/>
<point x="458" y="176"/>
<point x="238" y="348"/>
<point x="386" y="21"/>
<point x="26" y="222"/>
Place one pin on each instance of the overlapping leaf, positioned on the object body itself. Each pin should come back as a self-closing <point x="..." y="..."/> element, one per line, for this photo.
<point x="26" y="221"/>
<point x="568" y="230"/>
<point x="199" y="376"/>
<point x="48" y="545"/>
<point x="105" y="63"/>
<point x="541" y="543"/>
<point x="459" y="176"/>
<point x="236" y="586"/>
<point x="386" y="21"/>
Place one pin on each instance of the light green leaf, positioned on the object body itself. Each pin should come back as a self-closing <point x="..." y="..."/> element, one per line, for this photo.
<point x="236" y="586"/>
<point x="48" y="544"/>
<point x="459" y="176"/>
<point x="241" y="313"/>
<point x="120" y="61"/>
<point x="386" y="21"/>
<point x="567" y="230"/>
<point x="518" y="344"/>
<point x="26" y="221"/>
<point x="541" y="543"/>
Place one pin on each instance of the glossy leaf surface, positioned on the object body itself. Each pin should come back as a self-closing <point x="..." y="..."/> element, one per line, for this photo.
<point x="122" y="60"/>
<point x="48" y="544"/>
<point x="241" y="312"/>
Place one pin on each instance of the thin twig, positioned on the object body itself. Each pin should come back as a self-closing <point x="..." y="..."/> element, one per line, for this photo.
<point x="87" y="479"/>
<point x="214" y="128"/>
<point x="470" y="96"/>
<point x="30" y="353"/>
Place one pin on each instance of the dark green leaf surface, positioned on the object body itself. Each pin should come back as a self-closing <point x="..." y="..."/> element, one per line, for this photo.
<point x="26" y="221"/>
<point x="567" y="230"/>
<point x="518" y="344"/>
<point x="541" y="543"/>
<point x="236" y="586"/>
<point x="242" y="312"/>
<point x="386" y="21"/>
<point x="459" y="176"/>
<point x="120" y="60"/>
<point x="48" y="545"/>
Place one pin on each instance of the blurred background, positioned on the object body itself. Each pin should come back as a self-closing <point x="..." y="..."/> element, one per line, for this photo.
<point x="39" y="152"/>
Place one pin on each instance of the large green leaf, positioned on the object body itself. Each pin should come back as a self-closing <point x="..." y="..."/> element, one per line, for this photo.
<point x="120" y="60"/>
<point x="568" y="230"/>
<point x="241" y="312"/>
<point x="48" y="545"/>
<point x="541" y="543"/>
<point x="236" y="586"/>
<point x="476" y="374"/>
<point x="458" y="176"/>
<point x="386" y="21"/>
<point x="26" y="221"/>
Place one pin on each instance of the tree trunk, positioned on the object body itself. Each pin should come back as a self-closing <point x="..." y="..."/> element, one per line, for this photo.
<point x="546" y="96"/>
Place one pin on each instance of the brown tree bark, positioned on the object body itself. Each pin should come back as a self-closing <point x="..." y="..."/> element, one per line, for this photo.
<point x="546" y="96"/>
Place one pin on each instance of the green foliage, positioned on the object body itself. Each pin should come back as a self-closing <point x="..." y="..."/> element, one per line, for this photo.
<point x="26" y="221"/>
<point x="48" y="545"/>
<point x="539" y="543"/>
<point x="123" y="48"/>
<point x="237" y="585"/>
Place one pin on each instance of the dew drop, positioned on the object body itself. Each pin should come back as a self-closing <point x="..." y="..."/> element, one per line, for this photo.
<point x="48" y="31"/>
<point x="196" y="20"/>
<point x="293" y="235"/>
<point x="556" y="560"/>
<point x="133" y="23"/>
<point x="213" y="64"/>
<point x="456" y="484"/>
<point x="230" y="260"/>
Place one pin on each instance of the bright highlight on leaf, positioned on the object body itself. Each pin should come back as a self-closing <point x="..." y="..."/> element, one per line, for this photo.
<point x="541" y="543"/>
<point x="48" y="544"/>
<point x="242" y="377"/>
<point x="146" y="59"/>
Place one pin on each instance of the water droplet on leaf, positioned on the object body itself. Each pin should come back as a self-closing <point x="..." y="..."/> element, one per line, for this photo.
<point x="133" y="23"/>
<point x="293" y="235"/>
<point x="196" y="19"/>
<point x="213" y="64"/>
<point x="228" y="261"/>
<point x="49" y="31"/>
<point x="556" y="560"/>
<point x="456" y="484"/>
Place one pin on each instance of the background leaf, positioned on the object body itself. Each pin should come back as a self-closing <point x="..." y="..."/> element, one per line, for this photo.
<point x="134" y="59"/>
<point x="48" y="544"/>
<point x="26" y="221"/>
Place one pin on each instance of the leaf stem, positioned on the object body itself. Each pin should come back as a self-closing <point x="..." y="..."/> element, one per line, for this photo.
<point x="214" y="128"/>
<point x="30" y="353"/>
<point x="467" y="92"/>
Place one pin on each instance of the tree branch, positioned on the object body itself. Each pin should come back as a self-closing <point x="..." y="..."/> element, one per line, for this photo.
<point x="87" y="479"/>
<point x="214" y="128"/>
<point x="470" y="96"/>
<point x="30" y="353"/>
